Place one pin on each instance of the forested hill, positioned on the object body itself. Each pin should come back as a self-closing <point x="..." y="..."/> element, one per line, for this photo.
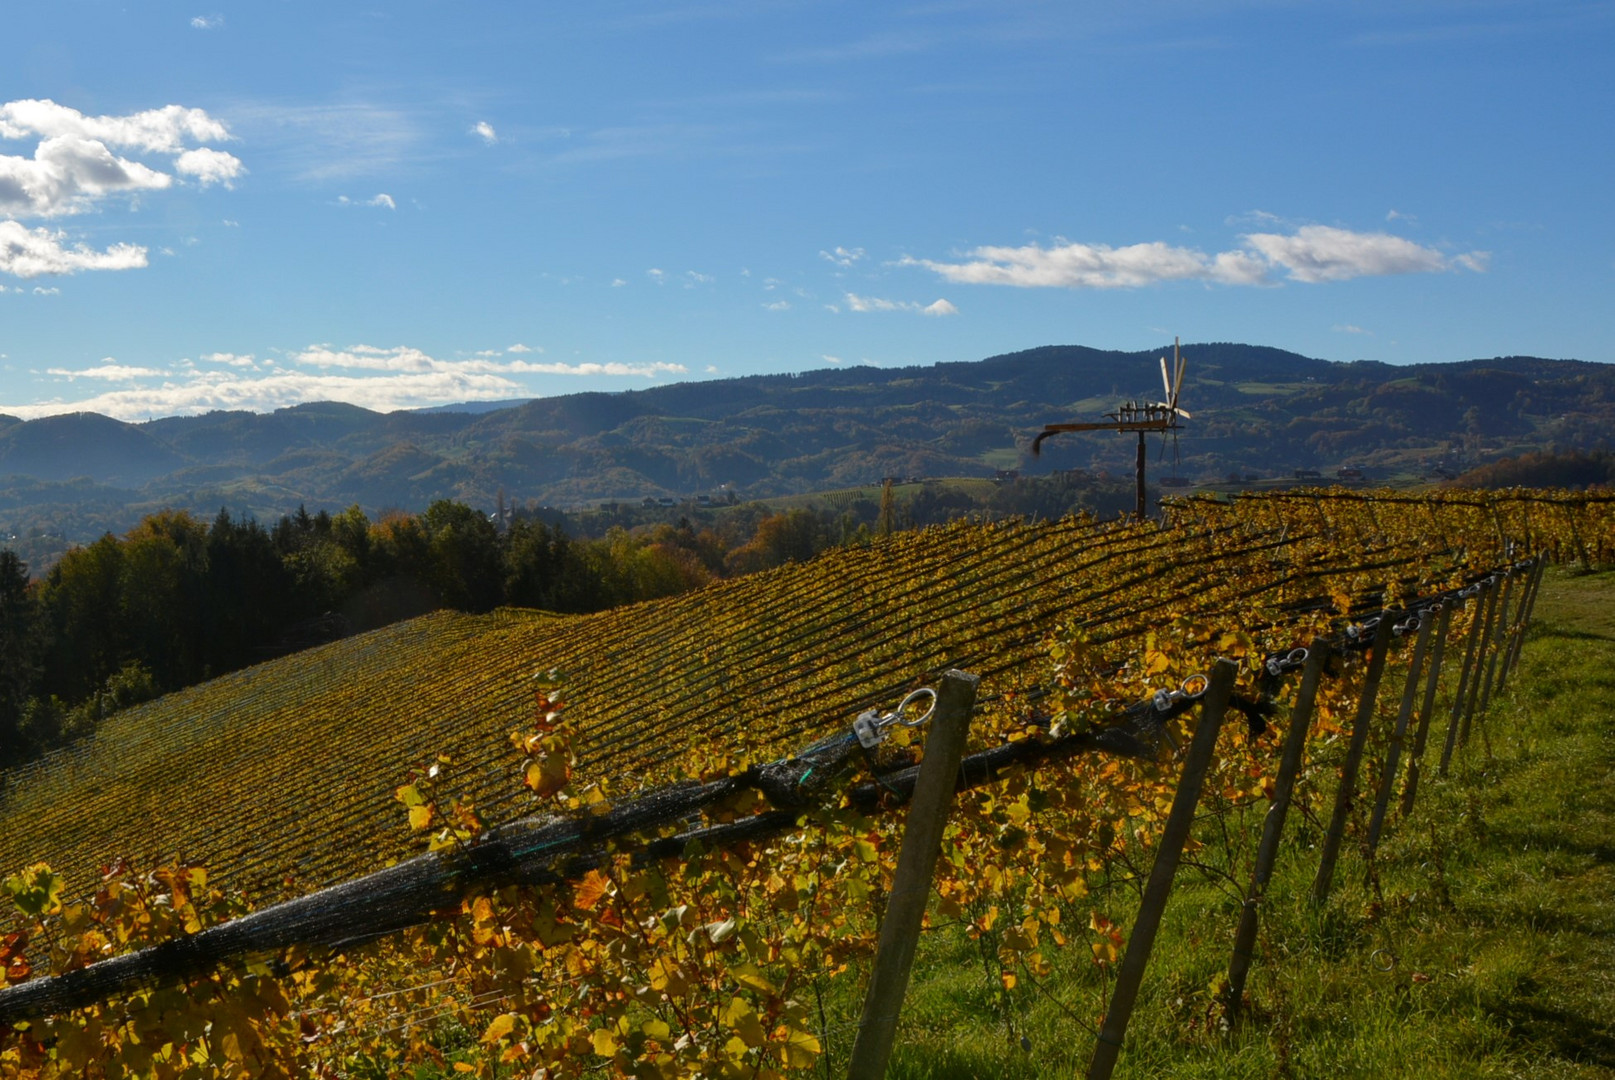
<point x="1255" y="409"/>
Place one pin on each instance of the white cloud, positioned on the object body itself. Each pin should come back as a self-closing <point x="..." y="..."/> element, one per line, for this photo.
<point x="40" y="290"/>
<point x="381" y="200"/>
<point x="484" y="130"/>
<point x="843" y="257"/>
<point x="67" y="174"/>
<point x="163" y="130"/>
<point x="404" y="359"/>
<point x="711" y="369"/>
<point x="208" y="390"/>
<point x="617" y="283"/>
<point x="74" y="168"/>
<point x="694" y="278"/>
<point x="1316" y="253"/>
<point x="873" y="303"/>
<point x="398" y="377"/>
<point x="108" y="369"/>
<point x="828" y="359"/>
<point x="28" y="253"/>
<point x="656" y="275"/>
<point x="1312" y="253"/>
<point x="1349" y="328"/>
<point x="1092" y="266"/>
<point x="208" y="22"/>
<point x="778" y="305"/>
<point x="241" y="360"/>
<point x="209" y="166"/>
<point x="520" y="348"/>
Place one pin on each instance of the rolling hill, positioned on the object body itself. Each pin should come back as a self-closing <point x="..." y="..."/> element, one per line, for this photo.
<point x="1258" y="410"/>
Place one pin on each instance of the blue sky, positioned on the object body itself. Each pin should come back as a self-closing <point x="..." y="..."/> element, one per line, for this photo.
<point x="221" y="205"/>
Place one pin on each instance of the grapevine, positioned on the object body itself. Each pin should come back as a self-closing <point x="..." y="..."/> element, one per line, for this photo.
<point x="716" y="962"/>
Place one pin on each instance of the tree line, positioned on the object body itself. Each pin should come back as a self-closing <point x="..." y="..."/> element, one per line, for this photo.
<point x="175" y="600"/>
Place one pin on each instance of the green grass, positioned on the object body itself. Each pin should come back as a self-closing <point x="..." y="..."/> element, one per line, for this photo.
<point x="1486" y="947"/>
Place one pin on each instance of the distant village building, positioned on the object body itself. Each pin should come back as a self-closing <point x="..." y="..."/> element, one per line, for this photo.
<point x="1348" y="474"/>
<point x="1308" y="474"/>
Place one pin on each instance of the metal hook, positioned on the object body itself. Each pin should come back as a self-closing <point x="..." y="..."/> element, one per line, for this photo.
<point x="871" y="725"/>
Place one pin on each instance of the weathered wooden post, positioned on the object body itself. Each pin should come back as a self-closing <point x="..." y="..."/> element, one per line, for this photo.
<point x="1536" y="588"/>
<point x="1354" y="759"/>
<point x="1499" y="637"/>
<point x="1522" y="619"/>
<point x="1178" y="822"/>
<point x="911" y="882"/>
<point x="1431" y="684"/>
<point x="1393" y="752"/>
<point x="1295" y="743"/>
<point x="1487" y="631"/>
<point x="1460" y="695"/>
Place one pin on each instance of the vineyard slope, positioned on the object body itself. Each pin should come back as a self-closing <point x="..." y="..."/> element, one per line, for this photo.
<point x="281" y="777"/>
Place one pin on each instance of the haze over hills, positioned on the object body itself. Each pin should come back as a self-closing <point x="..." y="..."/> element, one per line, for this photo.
<point x="1256" y="410"/>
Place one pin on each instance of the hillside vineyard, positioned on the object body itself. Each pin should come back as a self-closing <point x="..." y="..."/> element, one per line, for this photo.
<point x="280" y="778"/>
<point x="695" y="925"/>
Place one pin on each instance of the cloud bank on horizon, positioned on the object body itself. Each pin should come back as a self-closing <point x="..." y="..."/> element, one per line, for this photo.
<point x="382" y="379"/>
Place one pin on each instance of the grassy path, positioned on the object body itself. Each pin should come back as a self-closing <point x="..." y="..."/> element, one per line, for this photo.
<point x="1485" y="948"/>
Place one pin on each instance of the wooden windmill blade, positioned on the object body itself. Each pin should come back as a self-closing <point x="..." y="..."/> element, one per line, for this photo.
<point x="1182" y="365"/>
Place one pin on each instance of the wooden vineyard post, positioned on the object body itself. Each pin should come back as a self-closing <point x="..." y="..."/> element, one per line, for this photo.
<point x="1178" y="823"/>
<point x="1487" y="621"/>
<point x="1522" y="619"/>
<point x="1354" y="760"/>
<point x="1393" y="753"/>
<point x="1459" y="696"/>
<point x="1530" y="608"/>
<point x="1542" y="569"/>
<point x="1431" y="685"/>
<point x="911" y="883"/>
<point x="1516" y="633"/>
<point x="1295" y="742"/>
<point x="1499" y="639"/>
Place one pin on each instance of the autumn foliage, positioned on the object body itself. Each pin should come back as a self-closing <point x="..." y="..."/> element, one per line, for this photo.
<point x="717" y="962"/>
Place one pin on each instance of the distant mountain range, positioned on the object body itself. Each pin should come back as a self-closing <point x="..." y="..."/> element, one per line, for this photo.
<point x="1256" y="410"/>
